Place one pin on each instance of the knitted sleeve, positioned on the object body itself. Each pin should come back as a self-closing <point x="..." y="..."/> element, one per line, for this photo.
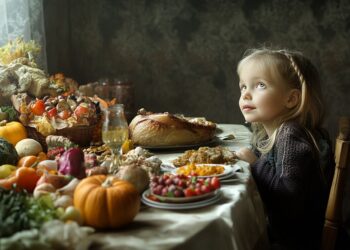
<point x="283" y="174"/>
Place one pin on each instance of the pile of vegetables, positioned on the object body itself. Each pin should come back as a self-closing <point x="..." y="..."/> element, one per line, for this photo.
<point x="19" y="211"/>
<point x="44" y="184"/>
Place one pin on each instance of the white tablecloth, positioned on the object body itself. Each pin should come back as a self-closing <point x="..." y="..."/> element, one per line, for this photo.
<point x="237" y="221"/>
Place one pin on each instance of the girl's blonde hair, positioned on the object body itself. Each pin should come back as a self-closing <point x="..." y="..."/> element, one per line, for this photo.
<point x="295" y="70"/>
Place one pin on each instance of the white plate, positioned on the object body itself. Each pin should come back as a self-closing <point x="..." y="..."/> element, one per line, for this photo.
<point x="184" y="199"/>
<point x="180" y="206"/>
<point x="227" y="170"/>
<point x="185" y="146"/>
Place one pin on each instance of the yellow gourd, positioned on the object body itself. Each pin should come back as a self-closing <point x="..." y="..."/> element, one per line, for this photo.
<point x="12" y="132"/>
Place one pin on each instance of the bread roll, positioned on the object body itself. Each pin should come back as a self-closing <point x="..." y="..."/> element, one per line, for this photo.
<point x="164" y="129"/>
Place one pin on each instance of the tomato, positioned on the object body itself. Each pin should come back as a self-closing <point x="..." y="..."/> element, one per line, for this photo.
<point x="52" y="112"/>
<point x="189" y="192"/>
<point x="205" y="189"/>
<point x="64" y="115"/>
<point x="215" y="182"/>
<point x="38" y="108"/>
<point x="181" y="183"/>
<point x="81" y="110"/>
<point x="201" y="181"/>
<point x="198" y="190"/>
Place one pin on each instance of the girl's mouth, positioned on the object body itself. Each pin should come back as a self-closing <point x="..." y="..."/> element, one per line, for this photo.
<point x="247" y="108"/>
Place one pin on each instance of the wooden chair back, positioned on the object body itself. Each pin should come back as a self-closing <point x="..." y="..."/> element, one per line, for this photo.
<point x="333" y="218"/>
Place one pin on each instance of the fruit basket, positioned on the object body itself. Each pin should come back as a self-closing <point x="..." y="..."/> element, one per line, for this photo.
<point x="75" y="117"/>
<point x="81" y="135"/>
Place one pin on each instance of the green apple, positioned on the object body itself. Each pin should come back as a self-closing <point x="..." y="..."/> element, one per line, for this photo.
<point x="6" y="170"/>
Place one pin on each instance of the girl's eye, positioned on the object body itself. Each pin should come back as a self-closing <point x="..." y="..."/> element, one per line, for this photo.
<point x="243" y="87"/>
<point x="261" y="85"/>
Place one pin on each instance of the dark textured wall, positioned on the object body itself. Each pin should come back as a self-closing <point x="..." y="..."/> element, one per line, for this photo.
<point x="181" y="55"/>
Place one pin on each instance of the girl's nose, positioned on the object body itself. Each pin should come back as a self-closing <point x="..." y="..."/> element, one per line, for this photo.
<point x="246" y="95"/>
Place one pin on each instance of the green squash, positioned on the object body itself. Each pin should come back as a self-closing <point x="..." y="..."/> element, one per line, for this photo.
<point x="8" y="153"/>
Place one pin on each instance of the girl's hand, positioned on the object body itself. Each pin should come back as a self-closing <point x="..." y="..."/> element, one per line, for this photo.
<point x="245" y="154"/>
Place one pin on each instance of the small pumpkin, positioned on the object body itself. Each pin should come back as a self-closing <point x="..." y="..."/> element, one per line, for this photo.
<point x="106" y="202"/>
<point x="13" y="132"/>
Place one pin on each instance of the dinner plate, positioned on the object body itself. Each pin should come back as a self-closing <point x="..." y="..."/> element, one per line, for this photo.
<point x="228" y="170"/>
<point x="184" y="146"/>
<point x="180" y="206"/>
<point x="184" y="199"/>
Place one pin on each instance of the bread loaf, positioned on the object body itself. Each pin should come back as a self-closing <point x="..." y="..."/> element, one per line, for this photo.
<point x="164" y="129"/>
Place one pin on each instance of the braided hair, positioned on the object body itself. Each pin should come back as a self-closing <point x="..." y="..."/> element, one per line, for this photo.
<point x="295" y="70"/>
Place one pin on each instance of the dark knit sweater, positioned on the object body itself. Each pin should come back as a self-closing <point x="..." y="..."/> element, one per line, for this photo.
<point x="293" y="188"/>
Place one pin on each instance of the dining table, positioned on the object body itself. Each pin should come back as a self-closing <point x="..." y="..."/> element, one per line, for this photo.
<point x="236" y="220"/>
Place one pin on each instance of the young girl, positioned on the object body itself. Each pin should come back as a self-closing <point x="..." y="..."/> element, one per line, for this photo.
<point x="291" y="160"/>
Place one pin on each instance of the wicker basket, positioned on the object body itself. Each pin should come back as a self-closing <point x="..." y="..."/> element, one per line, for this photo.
<point x="81" y="135"/>
<point x="34" y="134"/>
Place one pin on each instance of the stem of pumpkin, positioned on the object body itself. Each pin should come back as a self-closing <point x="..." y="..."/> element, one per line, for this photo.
<point x="108" y="182"/>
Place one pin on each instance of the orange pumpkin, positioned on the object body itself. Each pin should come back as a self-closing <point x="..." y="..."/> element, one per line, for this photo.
<point x="28" y="161"/>
<point x="106" y="202"/>
<point x="31" y="160"/>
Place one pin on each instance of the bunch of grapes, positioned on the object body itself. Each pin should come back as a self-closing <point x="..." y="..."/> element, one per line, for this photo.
<point x="179" y="185"/>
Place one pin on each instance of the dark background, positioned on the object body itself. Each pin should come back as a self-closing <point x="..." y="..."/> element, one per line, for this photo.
<point x="181" y="55"/>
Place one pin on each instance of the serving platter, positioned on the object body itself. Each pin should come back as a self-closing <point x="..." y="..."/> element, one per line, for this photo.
<point x="183" y="146"/>
<point x="180" y="206"/>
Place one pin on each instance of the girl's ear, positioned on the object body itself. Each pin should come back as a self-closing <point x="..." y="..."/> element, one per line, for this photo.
<point x="293" y="98"/>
